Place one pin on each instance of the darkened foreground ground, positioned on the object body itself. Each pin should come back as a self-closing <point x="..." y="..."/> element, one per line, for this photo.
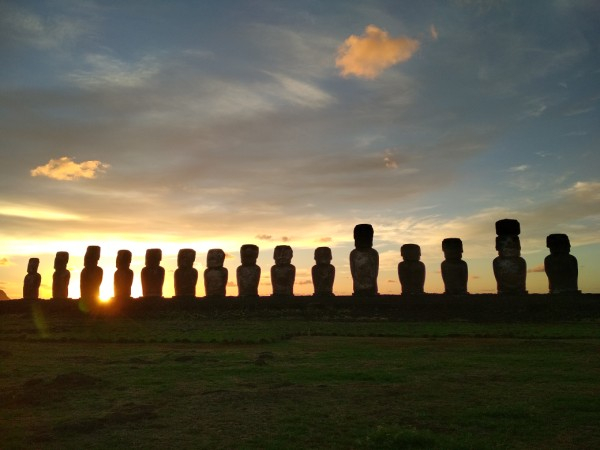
<point x="295" y="378"/>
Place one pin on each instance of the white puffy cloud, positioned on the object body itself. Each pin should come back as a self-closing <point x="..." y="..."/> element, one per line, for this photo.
<point x="65" y="169"/>
<point x="368" y="55"/>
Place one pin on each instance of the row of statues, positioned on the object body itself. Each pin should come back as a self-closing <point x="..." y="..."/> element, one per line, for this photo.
<point x="510" y="269"/>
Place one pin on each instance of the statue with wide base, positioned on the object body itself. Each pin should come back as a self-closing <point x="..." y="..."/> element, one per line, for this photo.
<point x="510" y="269"/>
<point x="323" y="272"/>
<point x="32" y="281"/>
<point x="215" y="275"/>
<point x="248" y="274"/>
<point x="186" y="276"/>
<point x="560" y="266"/>
<point x="364" y="261"/>
<point x="455" y="271"/>
<point x="91" y="275"/>
<point x="61" y="276"/>
<point x="411" y="271"/>
<point x="153" y="275"/>
<point x="123" y="278"/>
<point x="283" y="273"/>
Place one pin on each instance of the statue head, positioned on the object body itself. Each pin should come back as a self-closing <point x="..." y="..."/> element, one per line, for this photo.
<point x="452" y="248"/>
<point x="508" y="245"/>
<point x="323" y="255"/>
<point x="123" y="259"/>
<point x="186" y="258"/>
<point x="410" y="252"/>
<point x="508" y="226"/>
<point x="215" y="258"/>
<point x="92" y="256"/>
<point x="558" y="244"/>
<point x="249" y="254"/>
<point x="363" y="236"/>
<point x="32" y="265"/>
<point x="153" y="257"/>
<point x="283" y="255"/>
<point x="61" y="260"/>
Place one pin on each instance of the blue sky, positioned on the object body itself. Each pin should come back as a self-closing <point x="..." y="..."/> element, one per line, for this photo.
<point x="213" y="124"/>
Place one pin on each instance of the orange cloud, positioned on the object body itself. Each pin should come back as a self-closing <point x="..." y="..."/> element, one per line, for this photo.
<point x="65" y="169"/>
<point x="368" y="55"/>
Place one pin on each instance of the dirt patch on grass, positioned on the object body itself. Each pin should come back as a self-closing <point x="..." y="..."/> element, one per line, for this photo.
<point x="38" y="391"/>
<point x="123" y="414"/>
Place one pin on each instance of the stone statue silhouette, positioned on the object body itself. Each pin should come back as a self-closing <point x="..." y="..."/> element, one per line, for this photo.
<point x="91" y="275"/>
<point x="364" y="261"/>
<point x="61" y="276"/>
<point x="455" y="271"/>
<point x="411" y="271"/>
<point x="283" y="273"/>
<point x="323" y="273"/>
<point x="560" y="266"/>
<point x="186" y="276"/>
<point x="153" y="275"/>
<point x="248" y="274"/>
<point x="215" y="275"/>
<point x="123" y="278"/>
<point x="510" y="269"/>
<point x="32" y="281"/>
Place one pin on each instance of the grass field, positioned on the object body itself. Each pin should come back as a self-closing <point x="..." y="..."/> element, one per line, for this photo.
<point x="229" y="381"/>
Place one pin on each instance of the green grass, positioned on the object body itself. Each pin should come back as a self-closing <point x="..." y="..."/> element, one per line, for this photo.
<point x="244" y="382"/>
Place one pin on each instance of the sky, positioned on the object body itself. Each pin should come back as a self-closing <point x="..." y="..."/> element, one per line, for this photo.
<point x="187" y="124"/>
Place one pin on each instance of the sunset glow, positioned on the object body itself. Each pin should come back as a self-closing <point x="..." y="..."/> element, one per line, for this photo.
<point x="205" y="125"/>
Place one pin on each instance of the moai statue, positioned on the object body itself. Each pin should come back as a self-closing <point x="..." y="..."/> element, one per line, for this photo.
<point x="455" y="271"/>
<point x="248" y="274"/>
<point x="411" y="271"/>
<point x="364" y="261"/>
<point x="283" y="273"/>
<point x="153" y="275"/>
<point x="215" y="275"/>
<point x="186" y="276"/>
<point x="323" y="273"/>
<point x="123" y="278"/>
<point x="32" y="281"/>
<point x="91" y="275"/>
<point x="560" y="265"/>
<point x="510" y="269"/>
<point x="61" y="276"/>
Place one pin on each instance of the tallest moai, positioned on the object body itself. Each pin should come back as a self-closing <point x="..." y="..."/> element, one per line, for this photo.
<point x="510" y="269"/>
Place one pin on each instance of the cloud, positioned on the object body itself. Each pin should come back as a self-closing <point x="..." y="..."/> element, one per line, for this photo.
<point x="4" y="262"/>
<point x="536" y="269"/>
<point x="285" y="239"/>
<point x="106" y="71"/>
<point x="42" y="32"/>
<point x="263" y="237"/>
<point x="367" y="56"/>
<point x="65" y="169"/>
<point x="521" y="168"/>
<point x="433" y="31"/>
<point x="325" y="239"/>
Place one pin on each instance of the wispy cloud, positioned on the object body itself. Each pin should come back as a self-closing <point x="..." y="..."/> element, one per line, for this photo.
<point x="36" y="212"/>
<point x="368" y="55"/>
<point x="65" y="169"/>
<point x="40" y="31"/>
<point x="434" y="33"/>
<point x="107" y="71"/>
<point x="4" y="262"/>
<point x="521" y="168"/>
<point x="537" y="269"/>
